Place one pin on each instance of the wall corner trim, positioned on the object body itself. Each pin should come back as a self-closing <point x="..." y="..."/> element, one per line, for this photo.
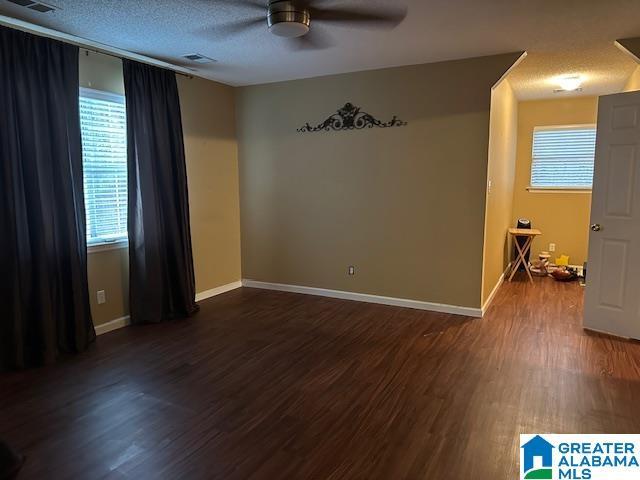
<point x="126" y="320"/>
<point x="113" y="325"/>
<point x="218" y="290"/>
<point x="517" y="62"/>
<point x="364" y="297"/>
<point x="493" y="293"/>
<point x="630" y="46"/>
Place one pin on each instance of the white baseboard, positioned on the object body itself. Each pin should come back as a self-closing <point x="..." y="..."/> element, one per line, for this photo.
<point x="499" y="283"/>
<point x="113" y="325"/>
<point x="126" y="321"/>
<point x="218" y="290"/>
<point x="363" y="297"/>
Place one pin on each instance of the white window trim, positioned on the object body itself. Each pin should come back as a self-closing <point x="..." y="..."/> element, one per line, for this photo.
<point x="102" y="95"/>
<point x="118" y="243"/>
<point x="557" y="188"/>
<point x="107" y="246"/>
<point x="565" y="127"/>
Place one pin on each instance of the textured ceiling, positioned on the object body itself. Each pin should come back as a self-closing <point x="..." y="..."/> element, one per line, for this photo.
<point x="575" y="33"/>
<point x="604" y="69"/>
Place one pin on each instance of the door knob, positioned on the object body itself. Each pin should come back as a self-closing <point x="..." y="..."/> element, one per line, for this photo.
<point x="596" y="227"/>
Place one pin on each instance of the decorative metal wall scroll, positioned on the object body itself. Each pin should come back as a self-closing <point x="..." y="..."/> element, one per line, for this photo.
<point x="350" y="117"/>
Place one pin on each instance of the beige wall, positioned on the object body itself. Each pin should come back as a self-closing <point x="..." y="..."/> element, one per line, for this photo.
<point x="634" y="81"/>
<point x="404" y="205"/>
<point x="212" y="168"/>
<point x="208" y="121"/>
<point x="562" y="217"/>
<point x="108" y="270"/>
<point x="501" y="175"/>
<point x="101" y="72"/>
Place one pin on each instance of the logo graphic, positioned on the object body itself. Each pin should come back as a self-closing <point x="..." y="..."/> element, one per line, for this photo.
<point x="537" y="461"/>
<point x="551" y="456"/>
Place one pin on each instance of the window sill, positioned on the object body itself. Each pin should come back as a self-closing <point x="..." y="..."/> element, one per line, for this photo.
<point x="557" y="190"/>
<point x="106" y="246"/>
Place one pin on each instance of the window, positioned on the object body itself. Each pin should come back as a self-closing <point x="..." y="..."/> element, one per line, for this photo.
<point x="104" y="155"/>
<point x="563" y="156"/>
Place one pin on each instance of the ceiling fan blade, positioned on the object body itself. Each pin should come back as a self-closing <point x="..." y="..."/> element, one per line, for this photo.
<point x="238" y="26"/>
<point x="376" y="17"/>
<point x="314" y="40"/>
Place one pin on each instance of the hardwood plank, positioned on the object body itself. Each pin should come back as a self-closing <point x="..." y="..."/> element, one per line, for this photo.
<point x="264" y="384"/>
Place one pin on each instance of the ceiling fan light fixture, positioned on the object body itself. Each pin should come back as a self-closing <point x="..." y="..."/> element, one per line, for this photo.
<point x="289" y="29"/>
<point x="569" y="83"/>
<point x="285" y="19"/>
<point x="292" y="18"/>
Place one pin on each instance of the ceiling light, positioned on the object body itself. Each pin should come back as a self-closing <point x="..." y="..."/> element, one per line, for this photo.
<point x="286" y="18"/>
<point x="289" y="29"/>
<point x="569" y="83"/>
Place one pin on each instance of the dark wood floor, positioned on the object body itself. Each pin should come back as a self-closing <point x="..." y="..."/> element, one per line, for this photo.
<point x="269" y="385"/>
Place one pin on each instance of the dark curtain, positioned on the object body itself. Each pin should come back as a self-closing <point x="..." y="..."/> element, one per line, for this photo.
<point x="43" y="279"/>
<point x="162" y="283"/>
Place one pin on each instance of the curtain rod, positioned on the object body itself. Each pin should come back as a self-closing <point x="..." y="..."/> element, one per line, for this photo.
<point x="109" y="54"/>
<point x="90" y="45"/>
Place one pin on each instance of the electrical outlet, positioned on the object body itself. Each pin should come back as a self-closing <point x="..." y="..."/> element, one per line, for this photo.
<point x="489" y="185"/>
<point x="102" y="297"/>
<point x="552" y="247"/>
<point x="352" y="270"/>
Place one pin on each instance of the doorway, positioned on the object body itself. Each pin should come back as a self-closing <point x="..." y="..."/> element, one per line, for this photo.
<point x="541" y="165"/>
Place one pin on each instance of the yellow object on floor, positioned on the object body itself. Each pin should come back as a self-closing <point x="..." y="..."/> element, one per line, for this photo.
<point x="562" y="260"/>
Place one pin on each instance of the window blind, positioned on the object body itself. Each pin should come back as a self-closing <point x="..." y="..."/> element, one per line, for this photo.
<point x="104" y="153"/>
<point x="563" y="157"/>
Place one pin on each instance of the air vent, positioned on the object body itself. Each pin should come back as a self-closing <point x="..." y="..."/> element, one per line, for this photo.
<point x="22" y="3"/>
<point x="37" y="6"/>
<point x="196" y="57"/>
<point x="41" y="7"/>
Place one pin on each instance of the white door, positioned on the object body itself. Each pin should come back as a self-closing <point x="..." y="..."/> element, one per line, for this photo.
<point x="612" y="297"/>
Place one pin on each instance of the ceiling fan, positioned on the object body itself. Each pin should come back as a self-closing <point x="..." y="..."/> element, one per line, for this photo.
<point x="294" y="19"/>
